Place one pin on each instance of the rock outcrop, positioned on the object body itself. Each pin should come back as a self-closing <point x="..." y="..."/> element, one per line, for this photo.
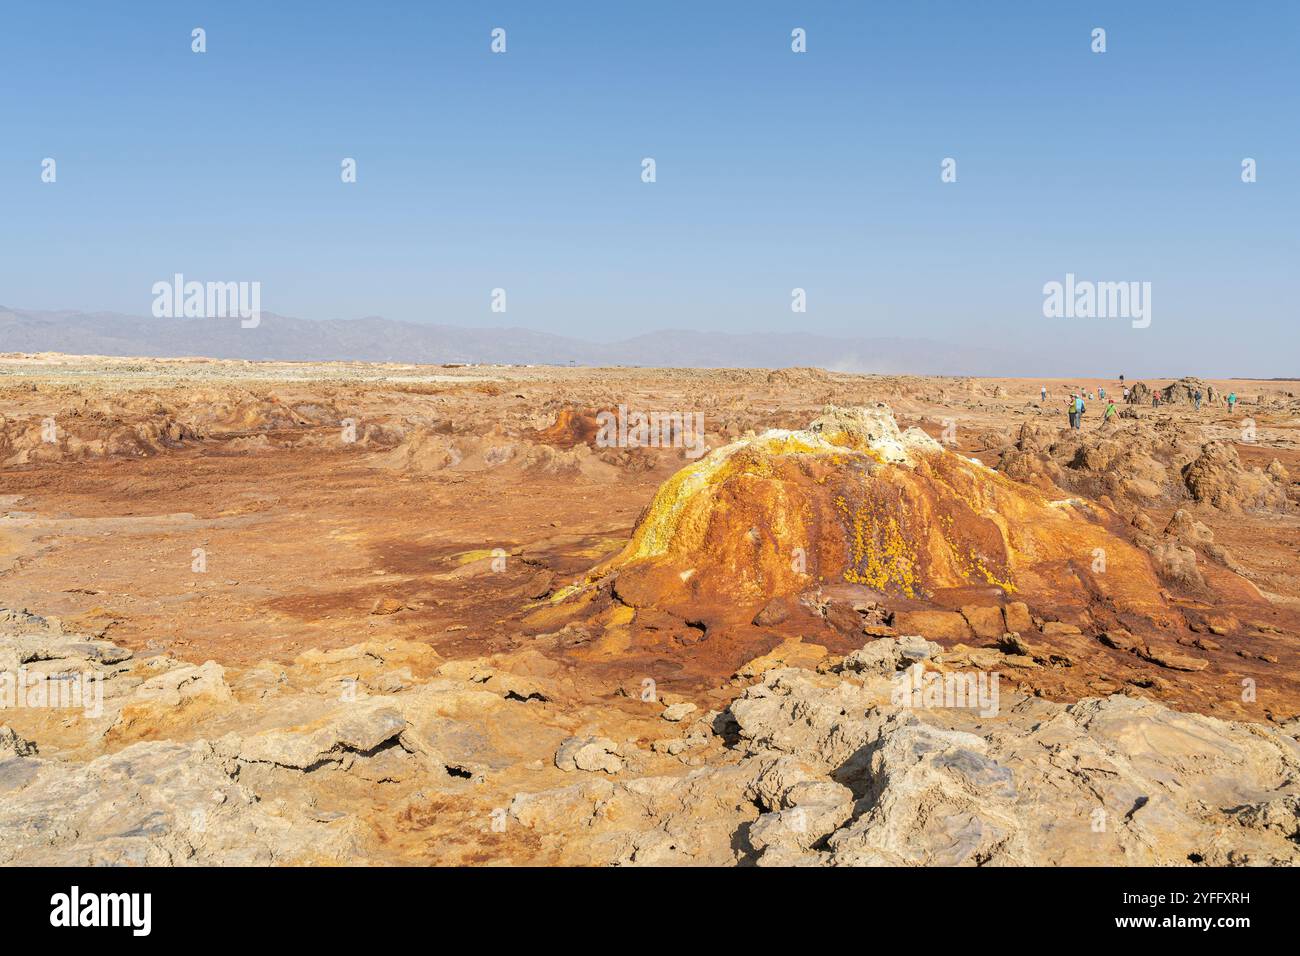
<point x="1216" y="477"/>
<point x="1137" y="464"/>
<point x="1183" y="392"/>
<point x="840" y="761"/>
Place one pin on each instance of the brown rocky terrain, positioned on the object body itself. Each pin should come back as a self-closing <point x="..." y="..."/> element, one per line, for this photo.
<point x="377" y="613"/>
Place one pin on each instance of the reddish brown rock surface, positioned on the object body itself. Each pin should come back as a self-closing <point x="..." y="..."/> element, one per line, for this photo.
<point x="466" y="499"/>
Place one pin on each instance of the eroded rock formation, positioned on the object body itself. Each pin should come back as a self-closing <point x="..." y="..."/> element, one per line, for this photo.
<point x="386" y="753"/>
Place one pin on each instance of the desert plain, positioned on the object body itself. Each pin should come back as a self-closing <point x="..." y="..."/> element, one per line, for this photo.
<point x="377" y="614"/>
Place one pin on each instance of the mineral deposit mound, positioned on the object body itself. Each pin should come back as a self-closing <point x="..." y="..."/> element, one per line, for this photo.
<point x="853" y="502"/>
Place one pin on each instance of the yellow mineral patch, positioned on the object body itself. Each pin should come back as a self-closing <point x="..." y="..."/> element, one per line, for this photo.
<point x="880" y="556"/>
<point x="612" y="643"/>
<point x="600" y="547"/>
<point x="556" y="615"/>
<point x="465" y="557"/>
<point x="664" y="516"/>
<point x="620" y="615"/>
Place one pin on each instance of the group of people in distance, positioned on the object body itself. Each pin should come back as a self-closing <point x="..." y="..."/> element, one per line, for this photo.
<point x="1076" y="404"/>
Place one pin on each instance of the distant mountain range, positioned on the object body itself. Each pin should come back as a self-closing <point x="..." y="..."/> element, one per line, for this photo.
<point x="375" y="339"/>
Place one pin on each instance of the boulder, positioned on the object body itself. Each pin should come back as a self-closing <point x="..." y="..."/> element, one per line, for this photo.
<point x="986" y="621"/>
<point x="1183" y="392"/>
<point x="593" y="754"/>
<point x="888" y="655"/>
<point x="944" y="625"/>
<point x="1016" y="618"/>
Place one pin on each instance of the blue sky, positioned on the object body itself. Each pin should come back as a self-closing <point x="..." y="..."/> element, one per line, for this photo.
<point x="775" y="170"/>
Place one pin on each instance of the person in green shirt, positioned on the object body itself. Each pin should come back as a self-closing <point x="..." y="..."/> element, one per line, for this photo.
<point x="1110" y="412"/>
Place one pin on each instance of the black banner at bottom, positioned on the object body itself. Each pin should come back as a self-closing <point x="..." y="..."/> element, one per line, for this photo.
<point x="334" y="906"/>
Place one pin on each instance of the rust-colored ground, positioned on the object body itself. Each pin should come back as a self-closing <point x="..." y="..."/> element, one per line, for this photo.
<point x="463" y="497"/>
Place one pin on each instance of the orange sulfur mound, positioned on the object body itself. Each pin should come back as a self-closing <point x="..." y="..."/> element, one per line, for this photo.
<point x="853" y="499"/>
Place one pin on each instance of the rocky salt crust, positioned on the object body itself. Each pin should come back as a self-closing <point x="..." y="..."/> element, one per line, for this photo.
<point x="385" y="753"/>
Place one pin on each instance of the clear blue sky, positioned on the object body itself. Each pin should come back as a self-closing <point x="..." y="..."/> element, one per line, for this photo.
<point x="775" y="170"/>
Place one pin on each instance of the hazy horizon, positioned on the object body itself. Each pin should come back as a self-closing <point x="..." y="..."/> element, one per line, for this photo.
<point x="138" y="336"/>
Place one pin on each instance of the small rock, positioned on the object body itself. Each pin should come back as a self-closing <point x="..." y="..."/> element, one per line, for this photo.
<point x="676" y="712"/>
<point x="1183" y="526"/>
<point x="588" y="753"/>
<point x="386" y="605"/>
<point x="1015" y="644"/>
<point x="1173" y="660"/>
<point x="844" y="619"/>
<point x="792" y="652"/>
<point x="12" y="745"/>
<point x="774" y="612"/>
<point x="1119" y="639"/>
